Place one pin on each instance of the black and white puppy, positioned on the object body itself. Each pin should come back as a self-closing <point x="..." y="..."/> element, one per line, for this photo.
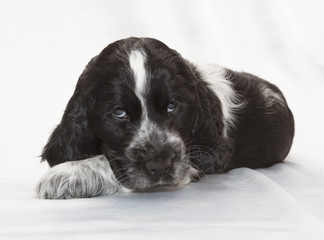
<point x="142" y="116"/>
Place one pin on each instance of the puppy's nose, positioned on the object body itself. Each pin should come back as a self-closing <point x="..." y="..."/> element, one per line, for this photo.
<point x="159" y="167"/>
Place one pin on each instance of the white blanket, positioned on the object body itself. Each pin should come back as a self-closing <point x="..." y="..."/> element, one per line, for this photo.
<point x="44" y="47"/>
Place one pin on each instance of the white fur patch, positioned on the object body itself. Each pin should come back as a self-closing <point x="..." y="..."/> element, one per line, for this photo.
<point x="215" y="76"/>
<point x="137" y="64"/>
<point x="192" y="173"/>
<point x="79" y="179"/>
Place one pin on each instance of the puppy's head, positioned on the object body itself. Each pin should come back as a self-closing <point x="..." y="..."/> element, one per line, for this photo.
<point x="144" y="111"/>
<point x="138" y="104"/>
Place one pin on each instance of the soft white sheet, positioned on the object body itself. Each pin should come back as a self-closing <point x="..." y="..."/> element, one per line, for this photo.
<point x="44" y="47"/>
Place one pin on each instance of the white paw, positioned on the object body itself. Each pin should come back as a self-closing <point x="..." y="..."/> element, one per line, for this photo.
<point x="78" y="179"/>
<point x="193" y="176"/>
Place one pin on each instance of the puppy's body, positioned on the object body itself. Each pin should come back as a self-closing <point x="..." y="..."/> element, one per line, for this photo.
<point x="159" y="119"/>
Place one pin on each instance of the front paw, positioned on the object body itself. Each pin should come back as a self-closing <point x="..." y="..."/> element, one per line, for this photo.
<point x="78" y="179"/>
<point x="193" y="175"/>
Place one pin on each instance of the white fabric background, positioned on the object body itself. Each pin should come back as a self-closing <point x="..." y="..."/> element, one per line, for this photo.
<point x="44" y="46"/>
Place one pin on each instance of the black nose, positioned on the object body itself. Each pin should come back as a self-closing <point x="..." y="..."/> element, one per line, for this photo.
<point x="159" y="167"/>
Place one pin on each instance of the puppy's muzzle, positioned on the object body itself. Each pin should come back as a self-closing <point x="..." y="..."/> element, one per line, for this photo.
<point x="158" y="158"/>
<point x="156" y="151"/>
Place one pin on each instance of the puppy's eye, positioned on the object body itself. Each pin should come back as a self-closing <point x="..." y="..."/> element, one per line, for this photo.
<point x="171" y="107"/>
<point x="120" y="113"/>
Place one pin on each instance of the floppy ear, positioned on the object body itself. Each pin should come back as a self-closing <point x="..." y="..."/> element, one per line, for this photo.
<point x="72" y="138"/>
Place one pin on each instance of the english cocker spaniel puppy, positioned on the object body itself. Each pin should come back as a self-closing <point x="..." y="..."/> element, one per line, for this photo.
<point x="142" y="116"/>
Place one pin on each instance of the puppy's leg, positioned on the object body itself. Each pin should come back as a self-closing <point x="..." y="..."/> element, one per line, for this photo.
<point x="79" y="179"/>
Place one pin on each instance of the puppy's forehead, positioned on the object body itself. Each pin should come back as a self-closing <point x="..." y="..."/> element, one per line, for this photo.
<point x="137" y="59"/>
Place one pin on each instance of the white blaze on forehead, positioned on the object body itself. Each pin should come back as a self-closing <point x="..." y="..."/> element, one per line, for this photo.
<point x="137" y="64"/>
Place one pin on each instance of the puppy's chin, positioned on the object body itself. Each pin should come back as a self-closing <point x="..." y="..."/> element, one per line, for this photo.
<point x="132" y="176"/>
